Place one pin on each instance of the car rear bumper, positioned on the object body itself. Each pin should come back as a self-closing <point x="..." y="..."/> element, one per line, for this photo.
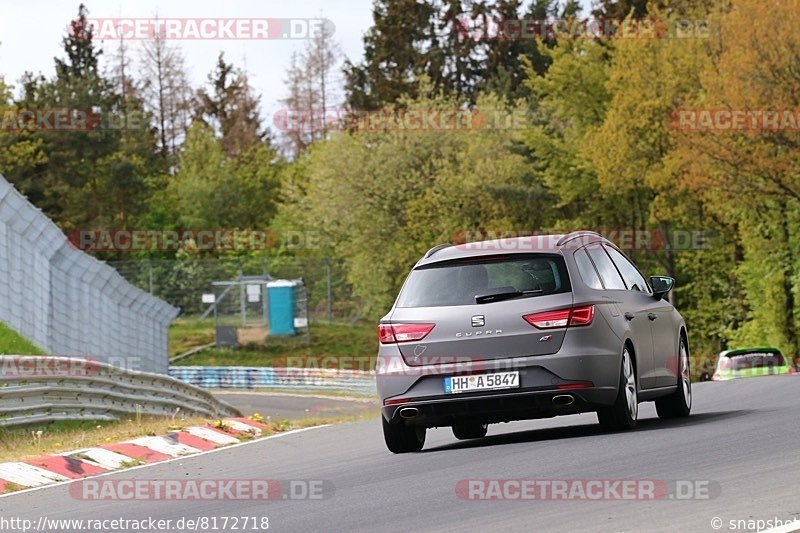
<point x="591" y="377"/>
<point x="498" y="406"/>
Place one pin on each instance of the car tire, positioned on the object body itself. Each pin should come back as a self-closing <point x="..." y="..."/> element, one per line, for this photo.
<point x="401" y="438"/>
<point x="470" y="430"/>
<point x="624" y="412"/>
<point x="679" y="403"/>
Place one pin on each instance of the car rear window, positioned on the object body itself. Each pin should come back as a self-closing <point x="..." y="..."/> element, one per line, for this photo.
<point x="608" y="272"/>
<point x="586" y="270"/>
<point x="756" y="360"/>
<point x="458" y="282"/>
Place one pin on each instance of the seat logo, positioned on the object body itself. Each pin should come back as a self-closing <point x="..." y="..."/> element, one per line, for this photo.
<point x="478" y="321"/>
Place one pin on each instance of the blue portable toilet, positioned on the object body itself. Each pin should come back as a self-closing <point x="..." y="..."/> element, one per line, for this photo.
<point x="281" y="306"/>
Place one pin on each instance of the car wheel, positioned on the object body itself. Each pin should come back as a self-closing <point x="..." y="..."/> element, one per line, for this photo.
<point x="470" y="431"/>
<point x="625" y="410"/>
<point x="401" y="438"/>
<point x="679" y="403"/>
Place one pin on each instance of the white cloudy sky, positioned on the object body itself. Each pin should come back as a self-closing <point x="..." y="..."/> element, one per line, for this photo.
<point x="31" y="33"/>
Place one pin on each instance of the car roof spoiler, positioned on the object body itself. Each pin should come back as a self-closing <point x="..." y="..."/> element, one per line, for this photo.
<point x="576" y="234"/>
<point x="436" y="249"/>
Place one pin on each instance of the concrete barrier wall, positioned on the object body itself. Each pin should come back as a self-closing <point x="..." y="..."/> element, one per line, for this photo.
<point x="69" y="303"/>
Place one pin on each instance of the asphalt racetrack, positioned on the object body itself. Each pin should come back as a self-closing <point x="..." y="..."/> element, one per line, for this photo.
<point x="738" y="450"/>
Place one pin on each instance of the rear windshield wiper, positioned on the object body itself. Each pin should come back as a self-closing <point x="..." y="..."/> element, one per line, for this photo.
<point x="489" y="297"/>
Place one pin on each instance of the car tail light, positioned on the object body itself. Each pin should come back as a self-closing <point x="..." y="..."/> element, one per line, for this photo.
<point x="575" y="385"/>
<point x="389" y="333"/>
<point x="396" y="401"/>
<point x="562" y="318"/>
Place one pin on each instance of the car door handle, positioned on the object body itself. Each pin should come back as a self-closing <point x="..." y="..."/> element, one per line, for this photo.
<point x="652" y="316"/>
<point x="630" y="316"/>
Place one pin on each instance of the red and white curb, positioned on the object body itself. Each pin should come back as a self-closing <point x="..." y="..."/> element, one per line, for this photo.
<point x="48" y="469"/>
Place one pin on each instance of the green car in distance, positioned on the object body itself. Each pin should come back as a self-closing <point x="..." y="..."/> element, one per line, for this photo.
<point x="751" y="362"/>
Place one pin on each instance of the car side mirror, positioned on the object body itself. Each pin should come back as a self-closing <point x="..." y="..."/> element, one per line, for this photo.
<point x="661" y="285"/>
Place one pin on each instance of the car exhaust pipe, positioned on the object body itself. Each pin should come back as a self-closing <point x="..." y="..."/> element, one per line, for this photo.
<point x="409" y="412"/>
<point x="563" y="399"/>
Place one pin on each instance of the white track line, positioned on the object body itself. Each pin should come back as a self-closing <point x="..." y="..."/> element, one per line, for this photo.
<point x="149" y="465"/>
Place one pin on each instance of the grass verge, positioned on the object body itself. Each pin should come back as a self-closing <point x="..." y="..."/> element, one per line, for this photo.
<point x="13" y="343"/>
<point x="347" y="346"/>
<point x="185" y="334"/>
<point x="17" y="444"/>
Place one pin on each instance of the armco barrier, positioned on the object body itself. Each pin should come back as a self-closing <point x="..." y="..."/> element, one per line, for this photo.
<point x="68" y="302"/>
<point x="242" y="377"/>
<point x="46" y="389"/>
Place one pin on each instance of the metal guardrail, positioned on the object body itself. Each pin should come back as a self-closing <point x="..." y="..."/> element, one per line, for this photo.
<point x="37" y="389"/>
<point x="241" y="377"/>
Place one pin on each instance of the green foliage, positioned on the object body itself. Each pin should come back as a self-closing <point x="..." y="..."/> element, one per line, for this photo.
<point x="343" y="346"/>
<point x="231" y="108"/>
<point x="213" y="190"/>
<point x="12" y="343"/>
<point x="591" y="146"/>
<point x="194" y="191"/>
<point x="379" y="199"/>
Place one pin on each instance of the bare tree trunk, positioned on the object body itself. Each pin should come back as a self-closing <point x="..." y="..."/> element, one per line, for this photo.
<point x="166" y="90"/>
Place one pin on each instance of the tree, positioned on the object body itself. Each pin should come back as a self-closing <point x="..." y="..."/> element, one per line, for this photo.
<point x="166" y="90"/>
<point x="311" y="91"/>
<point x="405" y="189"/>
<point x="214" y="190"/>
<point x="121" y="73"/>
<point x="230" y="108"/>
<point x="93" y="171"/>
<point x="69" y="182"/>
<point x="323" y="54"/>
<point x="752" y="177"/>
<point x="193" y="193"/>
<point x="620" y="9"/>
<point x="441" y="41"/>
<point x="570" y="100"/>
<point x="395" y="55"/>
<point x="504" y="70"/>
<point x="453" y="65"/>
<point x="20" y="152"/>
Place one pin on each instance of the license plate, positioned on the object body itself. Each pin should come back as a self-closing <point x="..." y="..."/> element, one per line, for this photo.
<point x="494" y="381"/>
